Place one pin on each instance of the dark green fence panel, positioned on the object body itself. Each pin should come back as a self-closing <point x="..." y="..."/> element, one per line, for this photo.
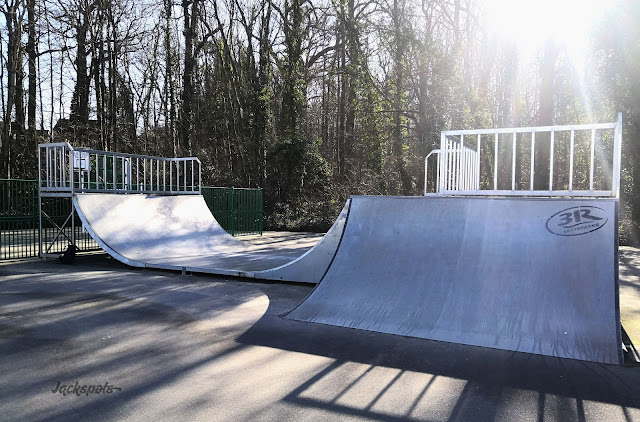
<point x="239" y="211"/>
<point x="19" y="235"/>
<point x="220" y="203"/>
<point x="18" y="218"/>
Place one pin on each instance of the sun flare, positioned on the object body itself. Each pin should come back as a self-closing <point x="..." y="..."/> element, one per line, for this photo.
<point x="530" y="24"/>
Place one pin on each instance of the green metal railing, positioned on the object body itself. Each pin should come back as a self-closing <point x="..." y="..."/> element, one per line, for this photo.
<point x="239" y="211"/>
<point x="19" y="235"/>
<point x="18" y="218"/>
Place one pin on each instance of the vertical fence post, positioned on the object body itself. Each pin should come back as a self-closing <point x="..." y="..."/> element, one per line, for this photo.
<point x="38" y="198"/>
<point x="476" y="185"/>
<point x="571" y="148"/>
<point x="533" y="157"/>
<point x="551" y="154"/>
<point x="441" y="160"/>
<point x="425" y="174"/>
<point x="72" y="183"/>
<point x="234" y="216"/>
<point x="261" y="203"/>
<point x="513" y="163"/>
<point x="495" y="163"/>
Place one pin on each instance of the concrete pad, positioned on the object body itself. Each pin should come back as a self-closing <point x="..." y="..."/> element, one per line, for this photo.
<point x="212" y="349"/>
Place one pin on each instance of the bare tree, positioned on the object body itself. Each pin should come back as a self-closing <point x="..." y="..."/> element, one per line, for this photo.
<point x="13" y="119"/>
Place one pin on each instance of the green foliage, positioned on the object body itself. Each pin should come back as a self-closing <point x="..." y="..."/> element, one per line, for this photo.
<point x="297" y="187"/>
<point x="298" y="170"/>
<point x="315" y="101"/>
<point x="617" y="65"/>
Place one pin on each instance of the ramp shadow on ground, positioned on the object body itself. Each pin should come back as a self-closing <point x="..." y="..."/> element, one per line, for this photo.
<point x="370" y="371"/>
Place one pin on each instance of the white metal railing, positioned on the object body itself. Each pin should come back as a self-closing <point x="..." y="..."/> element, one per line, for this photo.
<point x="63" y="170"/>
<point x="462" y="159"/>
<point x="461" y="169"/>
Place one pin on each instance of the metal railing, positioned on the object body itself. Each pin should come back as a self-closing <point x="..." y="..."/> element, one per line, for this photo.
<point x="472" y="162"/>
<point x="238" y="210"/>
<point x="20" y="228"/>
<point x="63" y="170"/>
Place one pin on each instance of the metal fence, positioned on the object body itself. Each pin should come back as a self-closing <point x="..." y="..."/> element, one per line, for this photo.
<point x="18" y="218"/>
<point x="239" y="211"/>
<point x="64" y="169"/>
<point x="584" y="160"/>
<point x="19" y="234"/>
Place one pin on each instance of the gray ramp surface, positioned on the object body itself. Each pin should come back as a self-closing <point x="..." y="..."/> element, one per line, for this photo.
<point x="176" y="232"/>
<point x="529" y="275"/>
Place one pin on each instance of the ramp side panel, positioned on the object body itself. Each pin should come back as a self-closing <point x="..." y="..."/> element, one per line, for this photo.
<point x="313" y="264"/>
<point x="477" y="271"/>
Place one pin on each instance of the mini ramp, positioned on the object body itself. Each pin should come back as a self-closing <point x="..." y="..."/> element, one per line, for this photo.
<point x="529" y="275"/>
<point x="179" y="233"/>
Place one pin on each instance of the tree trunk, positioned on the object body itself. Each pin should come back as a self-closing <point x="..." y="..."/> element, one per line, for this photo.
<point x="294" y="89"/>
<point x="31" y="52"/>
<point x="169" y="87"/>
<point x="397" y="123"/>
<point x="14" y="32"/>
<point x="190" y="22"/>
<point x="113" y="51"/>
<point x="353" y="50"/>
<point x="342" y="86"/>
<point x="19" y="69"/>
<point x="80" y="99"/>
<point x="98" y="78"/>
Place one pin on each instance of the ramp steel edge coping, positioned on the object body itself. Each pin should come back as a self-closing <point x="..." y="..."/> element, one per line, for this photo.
<point x="63" y="170"/>
<point x="458" y="170"/>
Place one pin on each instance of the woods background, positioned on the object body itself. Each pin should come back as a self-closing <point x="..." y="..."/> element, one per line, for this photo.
<point x="310" y="100"/>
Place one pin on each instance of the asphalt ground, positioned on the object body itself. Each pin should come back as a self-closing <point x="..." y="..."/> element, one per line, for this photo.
<point x="195" y="347"/>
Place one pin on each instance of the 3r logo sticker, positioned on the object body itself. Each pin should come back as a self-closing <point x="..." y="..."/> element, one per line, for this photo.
<point x="575" y="221"/>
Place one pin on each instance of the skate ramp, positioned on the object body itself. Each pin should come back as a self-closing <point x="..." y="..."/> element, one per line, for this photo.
<point x="528" y="275"/>
<point x="179" y="233"/>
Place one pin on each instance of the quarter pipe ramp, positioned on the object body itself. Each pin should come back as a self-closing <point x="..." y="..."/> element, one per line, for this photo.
<point x="529" y="275"/>
<point x="179" y="232"/>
